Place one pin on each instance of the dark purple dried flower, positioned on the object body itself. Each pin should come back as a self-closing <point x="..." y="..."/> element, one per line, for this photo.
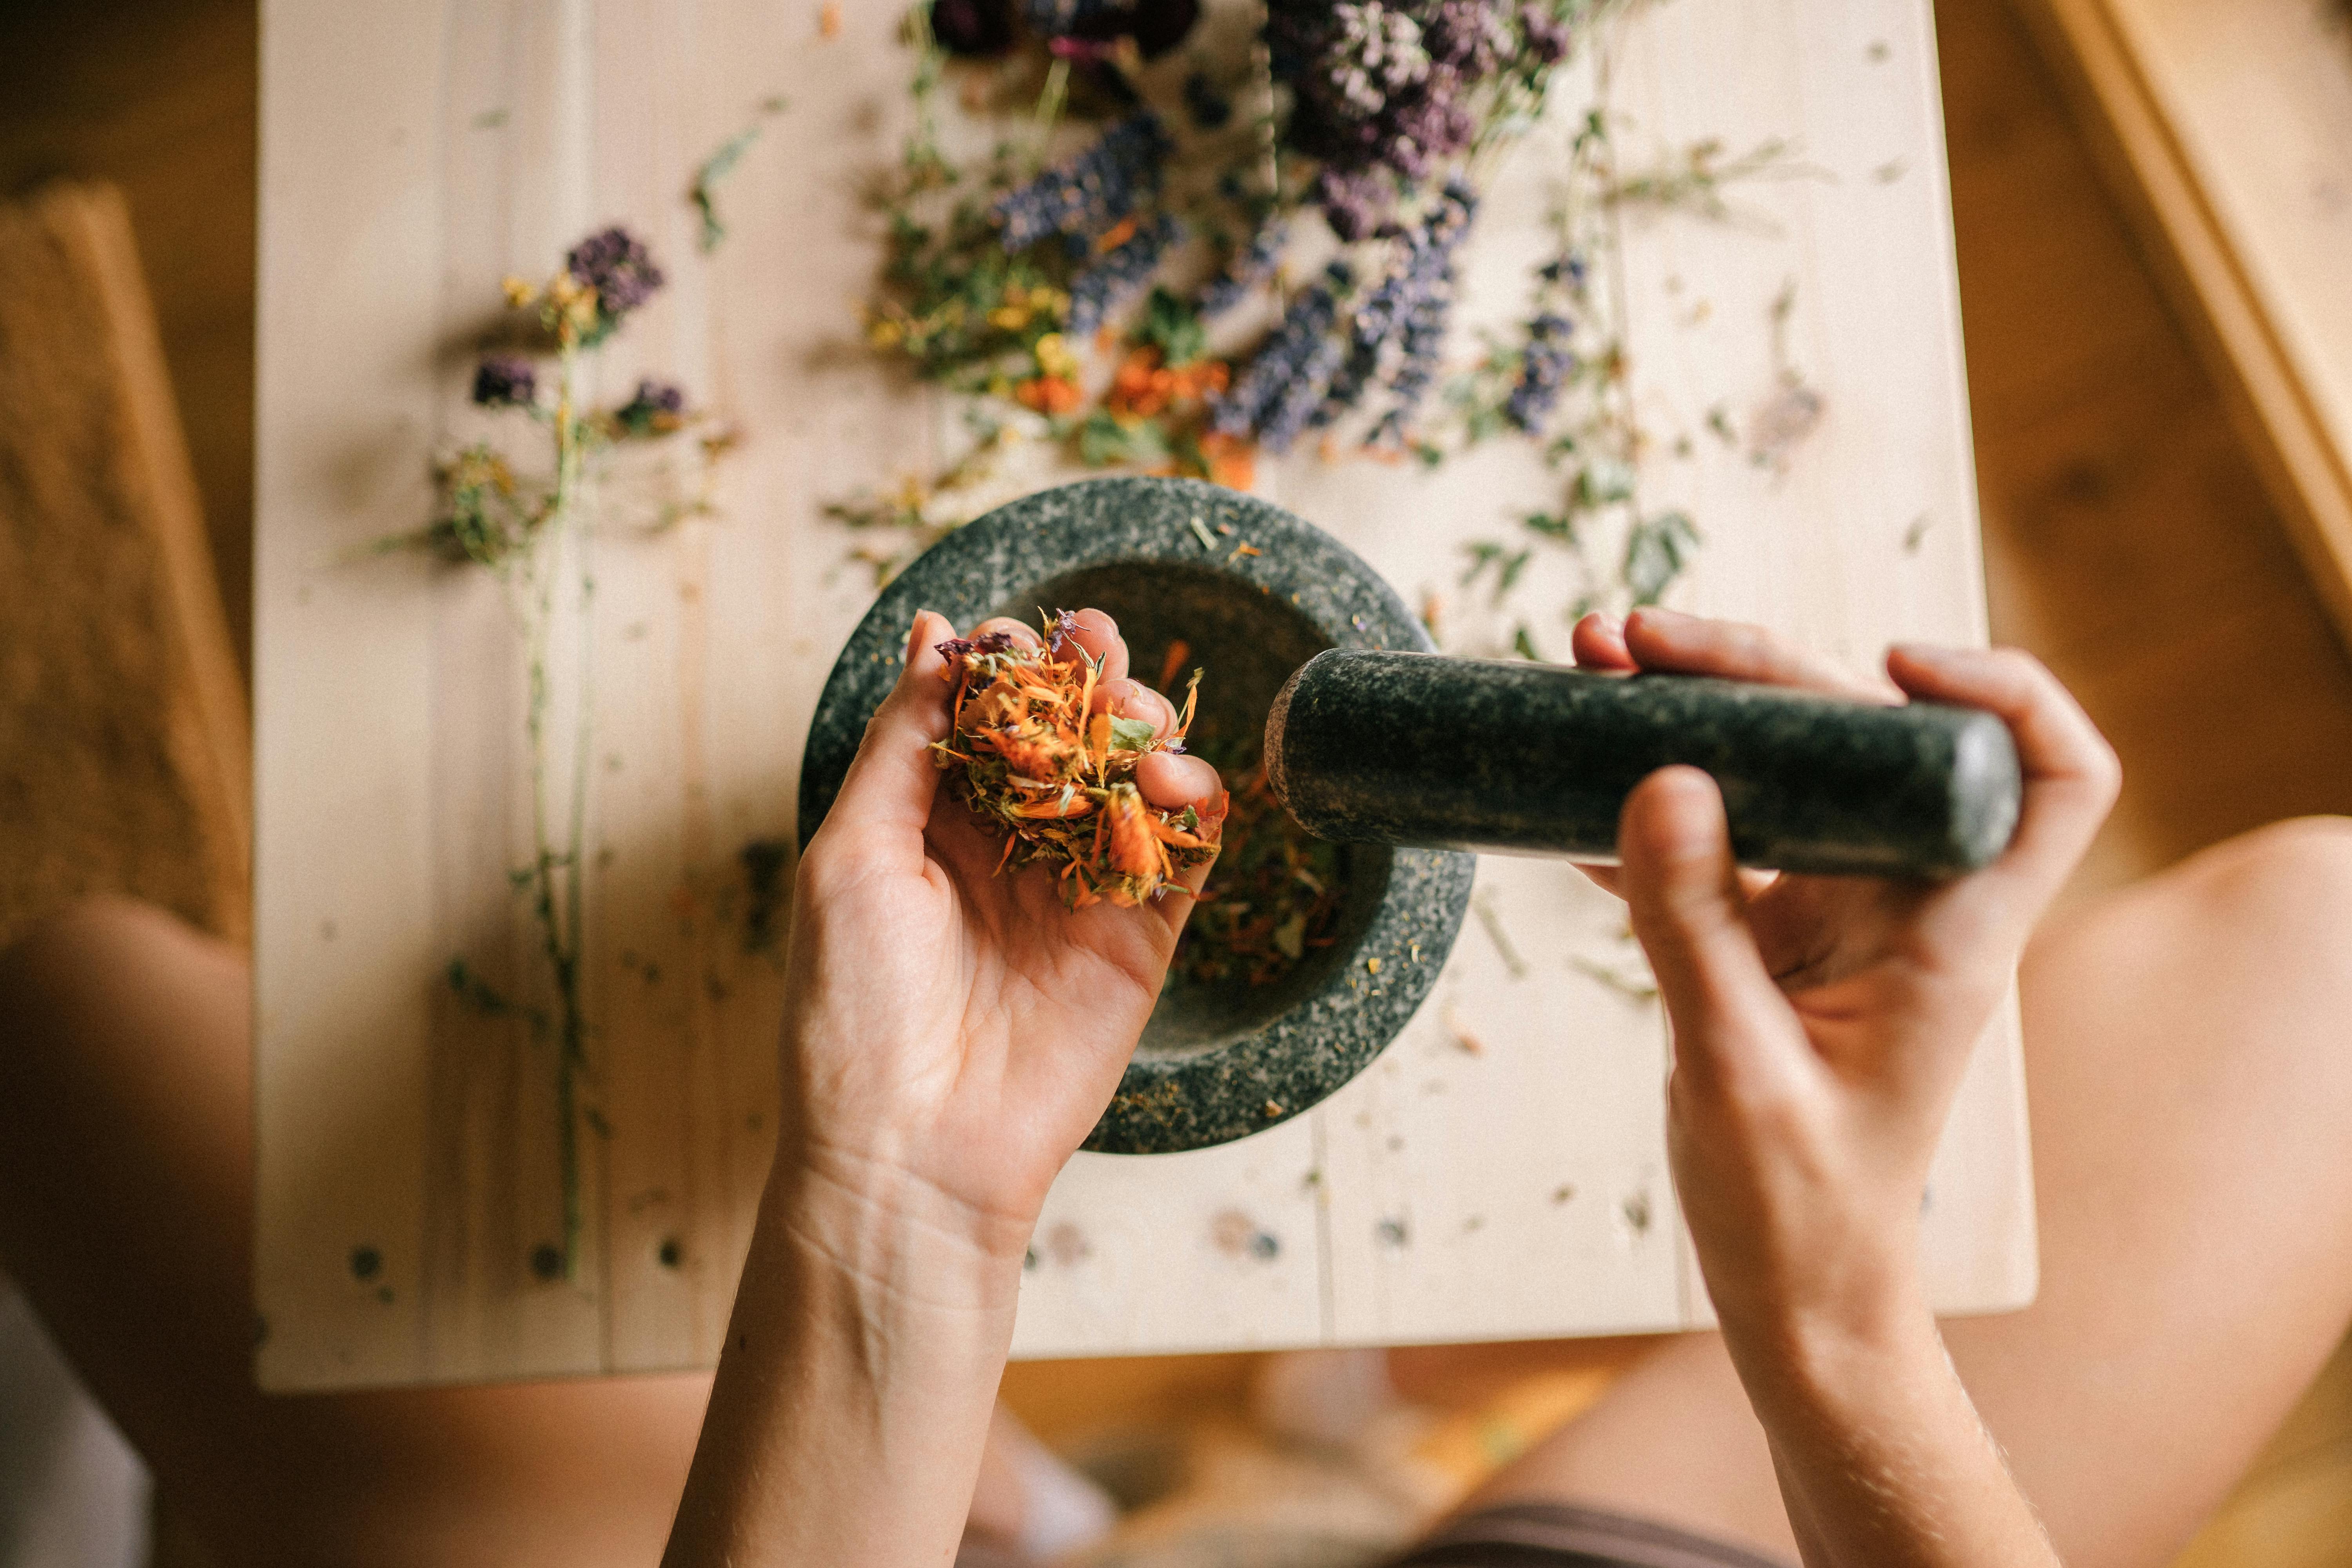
<point x="1544" y="369"/>
<point x="1432" y="125"/>
<point x="1355" y="203"/>
<point x="1249" y="267"/>
<point x="1549" y="38"/>
<point x="1206" y="102"/>
<point x="992" y="642"/>
<point x="506" y="381"/>
<point x="618" y="267"/>
<point x="1468" y="35"/>
<point x="1571" y="269"/>
<point x="656" y="408"/>
<point x="1118" y="275"/>
<point x="1156" y="25"/>
<point x="1091" y="192"/>
<point x="976" y="29"/>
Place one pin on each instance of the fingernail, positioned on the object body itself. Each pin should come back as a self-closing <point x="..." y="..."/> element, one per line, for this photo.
<point x="914" y="638"/>
<point x="1658" y="614"/>
<point x="1929" y="654"/>
<point x="1614" y="625"/>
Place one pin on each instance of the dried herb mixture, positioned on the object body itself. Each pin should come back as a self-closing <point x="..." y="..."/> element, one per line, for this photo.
<point x="1273" y="898"/>
<point x="1027" y="753"/>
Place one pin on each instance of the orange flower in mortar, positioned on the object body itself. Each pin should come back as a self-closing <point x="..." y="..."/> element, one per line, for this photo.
<point x="1030" y="756"/>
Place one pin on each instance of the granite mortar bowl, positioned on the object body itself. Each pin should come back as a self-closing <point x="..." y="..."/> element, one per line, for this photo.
<point x="1217" y="1062"/>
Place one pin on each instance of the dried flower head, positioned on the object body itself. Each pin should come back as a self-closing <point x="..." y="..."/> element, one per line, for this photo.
<point x="613" y="265"/>
<point x="506" y="381"/>
<point x="656" y="408"/>
<point x="1029" y="755"/>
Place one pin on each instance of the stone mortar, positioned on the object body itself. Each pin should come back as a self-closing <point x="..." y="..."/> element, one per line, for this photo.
<point x="1216" y="1062"/>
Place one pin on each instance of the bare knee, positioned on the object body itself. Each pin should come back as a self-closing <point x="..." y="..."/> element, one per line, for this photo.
<point x="2290" y="882"/>
<point x="77" y="974"/>
<point x="83" y="938"/>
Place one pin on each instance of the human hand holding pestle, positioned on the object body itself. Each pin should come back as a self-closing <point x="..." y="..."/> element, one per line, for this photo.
<point x="1828" y="776"/>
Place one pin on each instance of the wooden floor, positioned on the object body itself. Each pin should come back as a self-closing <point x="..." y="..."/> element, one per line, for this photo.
<point x="2128" y="540"/>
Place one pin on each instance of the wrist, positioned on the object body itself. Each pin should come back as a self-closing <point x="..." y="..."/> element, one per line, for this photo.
<point x="1838" y="1350"/>
<point x="865" y="1231"/>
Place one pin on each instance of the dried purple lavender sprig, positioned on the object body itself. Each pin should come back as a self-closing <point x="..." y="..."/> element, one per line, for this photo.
<point x="1251" y="268"/>
<point x="1545" y="366"/>
<point x="1118" y="275"/>
<point x="1287" y="377"/>
<point x="1405" y="316"/>
<point x="1091" y="192"/>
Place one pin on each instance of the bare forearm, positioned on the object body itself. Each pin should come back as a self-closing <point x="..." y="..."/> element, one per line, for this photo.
<point x="853" y="1396"/>
<point x="1882" y="1458"/>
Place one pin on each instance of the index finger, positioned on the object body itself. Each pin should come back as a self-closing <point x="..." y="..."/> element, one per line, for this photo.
<point x="2071" y="775"/>
<point x="1674" y="643"/>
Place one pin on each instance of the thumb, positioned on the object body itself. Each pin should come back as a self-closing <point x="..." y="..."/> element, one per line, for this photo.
<point x="892" y="781"/>
<point x="1682" y="888"/>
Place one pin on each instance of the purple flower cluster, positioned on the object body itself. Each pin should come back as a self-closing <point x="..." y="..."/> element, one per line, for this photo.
<point x="506" y="381"/>
<point x="1544" y="369"/>
<point x="1278" y="395"/>
<point x="616" y="265"/>
<point x="1118" y="275"/>
<point x="655" y="408"/>
<point x="1549" y="38"/>
<point x="1091" y="192"/>
<point x="1384" y="91"/>
<point x="1249" y="267"/>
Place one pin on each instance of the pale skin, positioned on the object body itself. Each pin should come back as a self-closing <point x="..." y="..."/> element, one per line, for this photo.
<point x="2187" y="1068"/>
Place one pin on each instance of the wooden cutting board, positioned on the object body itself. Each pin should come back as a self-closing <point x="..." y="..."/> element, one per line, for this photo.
<point x="1499" y="1173"/>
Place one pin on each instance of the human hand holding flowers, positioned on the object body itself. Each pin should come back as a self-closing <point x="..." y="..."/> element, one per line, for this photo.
<point x="954" y="1032"/>
<point x="949" y="1035"/>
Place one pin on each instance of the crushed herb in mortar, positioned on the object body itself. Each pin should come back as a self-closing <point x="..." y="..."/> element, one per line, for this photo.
<point x="1027" y="753"/>
<point x="1273" y="897"/>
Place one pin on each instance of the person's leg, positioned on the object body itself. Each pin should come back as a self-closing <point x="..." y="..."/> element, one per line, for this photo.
<point x="2190" y="1053"/>
<point x="125" y="1215"/>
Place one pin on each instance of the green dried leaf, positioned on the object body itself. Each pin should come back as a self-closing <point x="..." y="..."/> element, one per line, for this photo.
<point x="1132" y="735"/>
<point x="1170" y="326"/>
<point x="1657" y="553"/>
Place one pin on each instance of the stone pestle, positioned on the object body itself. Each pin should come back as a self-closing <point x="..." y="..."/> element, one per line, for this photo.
<point x="1416" y="749"/>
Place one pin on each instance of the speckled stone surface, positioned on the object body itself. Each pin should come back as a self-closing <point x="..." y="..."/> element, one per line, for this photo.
<point x="1415" y="749"/>
<point x="1217" y="1062"/>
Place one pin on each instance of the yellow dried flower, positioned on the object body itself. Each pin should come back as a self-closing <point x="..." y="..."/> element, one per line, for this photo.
<point x="1055" y="358"/>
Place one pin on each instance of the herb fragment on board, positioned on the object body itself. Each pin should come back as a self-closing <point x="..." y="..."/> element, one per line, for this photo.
<point x="1029" y="753"/>
<point x="703" y="192"/>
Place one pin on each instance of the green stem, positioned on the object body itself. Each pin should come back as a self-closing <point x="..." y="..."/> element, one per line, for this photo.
<point x="560" y="910"/>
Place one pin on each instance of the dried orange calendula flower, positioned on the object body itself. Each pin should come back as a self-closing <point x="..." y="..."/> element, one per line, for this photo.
<point x="1028" y="754"/>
